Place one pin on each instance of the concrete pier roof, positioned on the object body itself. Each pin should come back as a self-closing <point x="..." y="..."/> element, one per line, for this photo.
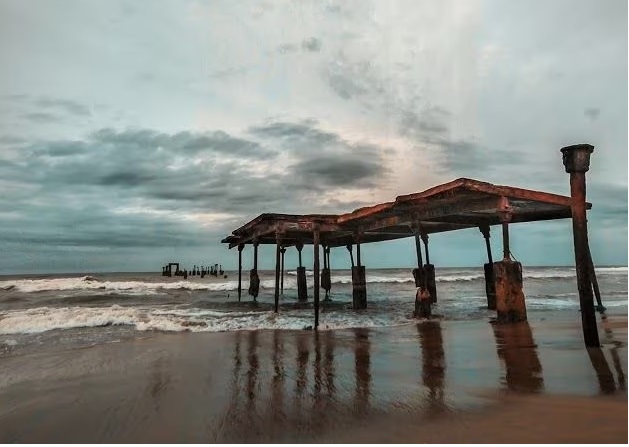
<point x="459" y="204"/>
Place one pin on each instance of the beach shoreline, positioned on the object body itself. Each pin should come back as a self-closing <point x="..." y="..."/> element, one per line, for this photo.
<point x="433" y="381"/>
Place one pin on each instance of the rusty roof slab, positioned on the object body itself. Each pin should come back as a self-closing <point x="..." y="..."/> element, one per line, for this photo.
<point x="462" y="203"/>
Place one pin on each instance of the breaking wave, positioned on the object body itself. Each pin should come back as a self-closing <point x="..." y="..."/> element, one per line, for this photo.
<point x="42" y="319"/>
<point x="89" y="283"/>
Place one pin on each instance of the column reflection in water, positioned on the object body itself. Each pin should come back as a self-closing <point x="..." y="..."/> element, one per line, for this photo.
<point x="616" y="344"/>
<point x="518" y="353"/>
<point x="606" y="380"/>
<point x="362" y="361"/>
<point x="433" y="362"/>
<point x="303" y="353"/>
<point x="277" y="386"/>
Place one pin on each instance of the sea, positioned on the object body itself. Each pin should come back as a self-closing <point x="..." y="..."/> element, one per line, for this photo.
<point x="64" y="311"/>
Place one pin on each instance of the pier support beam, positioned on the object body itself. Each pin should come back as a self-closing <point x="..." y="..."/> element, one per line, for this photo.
<point x="315" y="244"/>
<point x="510" y="304"/>
<point x="302" y="286"/>
<point x="429" y="271"/>
<point x="418" y="273"/>
<point x="278" y="248"/>
<point x="359" y="282"/>
<point x="254" y="279"/>
<point x="282" y="251"/>
<point x="490" y="285"/>
<point x="576" y="160"/>
<point x="240" y="248"/>
<point x="326" y="283"/>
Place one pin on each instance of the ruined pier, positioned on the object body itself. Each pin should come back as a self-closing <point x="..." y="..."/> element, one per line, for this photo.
<point x="459" y="204"/>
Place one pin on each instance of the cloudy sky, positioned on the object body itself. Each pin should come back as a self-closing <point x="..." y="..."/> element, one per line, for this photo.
<point x="134" y="133"/>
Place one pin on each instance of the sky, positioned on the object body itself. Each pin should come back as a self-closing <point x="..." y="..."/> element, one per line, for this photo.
<point x="133" y="134"/>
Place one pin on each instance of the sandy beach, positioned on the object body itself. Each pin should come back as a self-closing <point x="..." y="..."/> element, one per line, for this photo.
<point x="434" y="381"/>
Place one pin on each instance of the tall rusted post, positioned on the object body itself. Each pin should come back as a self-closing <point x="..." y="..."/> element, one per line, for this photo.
<point x="490" y="286"/>
<point x="315" y="242"/>
<point x="429" y="270"/>
<point x="510" y="305"/>
<point x="302" y="286"/>
<point x="278" y="248"/>
<point x="240" y="248"/>
<point x="576" y="160"/>
<point x="418" y="273"/>
<point x="282" y="251"/>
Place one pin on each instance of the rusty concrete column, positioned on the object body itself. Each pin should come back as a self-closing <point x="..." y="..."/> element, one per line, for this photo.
<point x="510" y="303"/>
<point x="359" y="281"/>
<point x="576" y="160"/>
<point x="429" y="270"/>
<point x="490" y="286"/>
<point x="282" y="251"/>
<point x="254" y="279"/>
<point x="240" y="248"/>
<point x="315" y="243"/>
<point x="302" y="286"/>
<point x="326" y="283"/>
<point x="278" y="248"/>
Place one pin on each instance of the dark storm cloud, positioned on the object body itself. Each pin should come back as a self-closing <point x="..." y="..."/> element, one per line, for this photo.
<point x="324" y="159"/>
<point x="339" y="171"/>
<point x="123" y="188"/>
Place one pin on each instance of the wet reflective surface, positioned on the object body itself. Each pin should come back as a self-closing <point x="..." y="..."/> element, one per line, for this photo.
<point x="281" y="386"/>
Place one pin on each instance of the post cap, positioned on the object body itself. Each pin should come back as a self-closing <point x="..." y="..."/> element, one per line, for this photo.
<point x="576" y="158"/>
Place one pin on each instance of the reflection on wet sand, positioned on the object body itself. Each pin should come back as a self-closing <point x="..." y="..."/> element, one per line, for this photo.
<point x="518" y="353"/>
<point x="277" y="387"/>
<point x="304" y="382"/>
<point x="606" y="380"/>
<point x="433" y="362"/>
<point x="362" y="362"/>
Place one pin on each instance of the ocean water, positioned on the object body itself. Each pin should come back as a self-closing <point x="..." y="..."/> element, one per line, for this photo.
<point x="73" y="310"/>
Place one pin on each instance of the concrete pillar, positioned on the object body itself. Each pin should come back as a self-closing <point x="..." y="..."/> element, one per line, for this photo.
<point x="240" y="248"/>
<point x="418" y="273"/>
<point x="278" y="248"/>
<point x="282" y="251"/>
<point x="510" y="304"/>
<point x="254" y="279"/>
<point x="359" y="281"/>
<point x="302" y="286"/>
<point x="429" y="271"/>
<point x="576" y="160"/>
<point x="315" y="239"/>
<point x="326" y="283"/>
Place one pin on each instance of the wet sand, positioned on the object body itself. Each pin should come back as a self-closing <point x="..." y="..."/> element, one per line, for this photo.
<point x="436" y="381"/>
